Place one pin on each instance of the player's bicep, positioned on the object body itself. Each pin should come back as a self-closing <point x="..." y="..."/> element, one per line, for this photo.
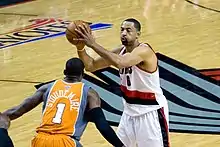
<point x="94" y="100"/>
<point x="130" y="59"/>
<point x="35" y="99"/>
<point x="135" y="57"/>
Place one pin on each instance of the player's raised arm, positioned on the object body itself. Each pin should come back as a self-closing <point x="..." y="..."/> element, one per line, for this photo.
<point x="97" y="116"/>
<point x="128" y="59"/>
<point x="92" y="64"/>
<point x="27" y="105"/>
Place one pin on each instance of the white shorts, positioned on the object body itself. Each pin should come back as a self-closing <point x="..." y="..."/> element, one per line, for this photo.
<point x="148" y="130"/>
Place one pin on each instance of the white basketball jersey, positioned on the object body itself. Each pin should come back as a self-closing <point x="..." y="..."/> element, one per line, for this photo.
<point x="141" y="90"/>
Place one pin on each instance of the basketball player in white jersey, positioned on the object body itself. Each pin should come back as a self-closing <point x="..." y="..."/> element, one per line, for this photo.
<point x="144" y="122"/>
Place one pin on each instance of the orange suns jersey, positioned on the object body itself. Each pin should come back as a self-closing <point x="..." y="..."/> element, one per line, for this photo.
<point x="63" y="109"/>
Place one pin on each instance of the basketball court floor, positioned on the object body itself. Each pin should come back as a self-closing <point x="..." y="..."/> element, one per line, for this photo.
<point x="185" y="34"/>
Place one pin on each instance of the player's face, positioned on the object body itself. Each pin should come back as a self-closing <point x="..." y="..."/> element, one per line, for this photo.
<point x="128" y="33"/>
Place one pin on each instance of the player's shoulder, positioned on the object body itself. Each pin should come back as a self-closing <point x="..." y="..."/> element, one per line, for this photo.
<point x="45" y="86"/>
<point x="145" y="45"/>
<point x="93" y="94"/>
<point x="92" y="91"/>
<point x="145" y="48"/>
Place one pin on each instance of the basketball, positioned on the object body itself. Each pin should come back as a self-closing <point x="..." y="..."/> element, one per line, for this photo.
<point x="71" y="33"/>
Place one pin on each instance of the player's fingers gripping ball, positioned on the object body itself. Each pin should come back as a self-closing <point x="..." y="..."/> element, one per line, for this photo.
<point x="72" y="35"/>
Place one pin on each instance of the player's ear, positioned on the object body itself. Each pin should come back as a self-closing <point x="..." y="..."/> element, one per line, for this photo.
<point x="83" y="74"/>
<point x="64" y="72"/>
<point x="139" y="33"/>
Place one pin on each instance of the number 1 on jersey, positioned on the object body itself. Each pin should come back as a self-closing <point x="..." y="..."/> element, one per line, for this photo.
<point x="58" y="117"/>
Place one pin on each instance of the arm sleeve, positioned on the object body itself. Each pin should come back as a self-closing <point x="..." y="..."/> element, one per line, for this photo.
<point x="96" y="115"/>
<point x="5" y="140"/>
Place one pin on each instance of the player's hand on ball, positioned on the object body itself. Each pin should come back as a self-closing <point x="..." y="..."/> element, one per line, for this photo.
<point x="85" y="35"/>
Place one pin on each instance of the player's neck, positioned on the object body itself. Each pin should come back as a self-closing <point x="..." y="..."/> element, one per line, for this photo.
<point x="130" y="48"/>
<point x="70" y="79"/>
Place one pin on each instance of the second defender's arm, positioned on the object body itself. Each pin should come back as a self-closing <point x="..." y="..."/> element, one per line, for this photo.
<point x="27" y="105"/>
<point x="97" y="116"/>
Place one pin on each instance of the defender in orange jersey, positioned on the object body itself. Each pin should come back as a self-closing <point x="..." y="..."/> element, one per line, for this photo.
<point x="67" y="104"/>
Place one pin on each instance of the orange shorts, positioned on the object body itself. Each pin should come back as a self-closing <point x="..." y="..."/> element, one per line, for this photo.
<point x="48" y="140"/>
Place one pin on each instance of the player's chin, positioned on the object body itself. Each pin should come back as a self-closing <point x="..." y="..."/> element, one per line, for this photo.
<point x="124" y="42"/>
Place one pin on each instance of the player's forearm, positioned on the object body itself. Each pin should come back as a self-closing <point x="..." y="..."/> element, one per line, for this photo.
<point x="21" y="109"/>
<point x="87" y="60"/>
<point x="113" y="58"/>
<point x="97" y="116"/>
<point x="14" y="112"/>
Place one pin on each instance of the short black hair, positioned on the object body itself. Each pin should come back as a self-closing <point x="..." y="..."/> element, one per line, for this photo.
<point x="137" y="24"/>
<point x="74" y="67"/>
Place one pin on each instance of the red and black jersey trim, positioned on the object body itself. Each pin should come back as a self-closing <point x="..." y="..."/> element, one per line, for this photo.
<point x="137" y="97"/>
